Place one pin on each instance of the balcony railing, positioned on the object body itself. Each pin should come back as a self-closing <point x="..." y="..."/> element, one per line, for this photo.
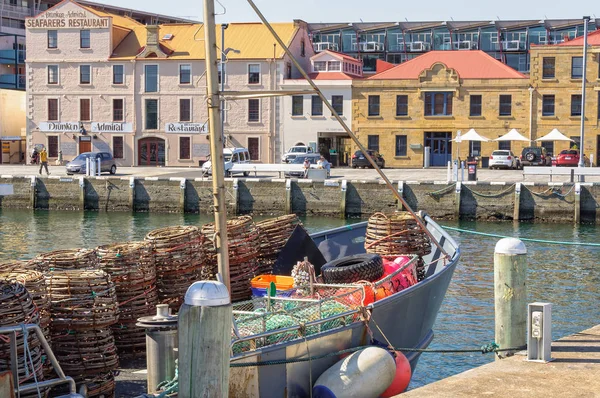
<point x="10" y="56"/>
<point x="12" y="81"/>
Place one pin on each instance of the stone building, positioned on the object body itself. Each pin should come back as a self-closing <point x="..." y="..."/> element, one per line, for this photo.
<point x="101" y="81"/>
<point x="425" y="101"/>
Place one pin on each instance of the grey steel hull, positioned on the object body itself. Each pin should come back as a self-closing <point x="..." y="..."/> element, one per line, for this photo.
<point x="406" y="319"/>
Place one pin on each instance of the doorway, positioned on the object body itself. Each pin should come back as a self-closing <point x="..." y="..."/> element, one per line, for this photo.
<point x="85" y="144"/>
<point x="441" y="147"/>
<point x="151" y="152"/>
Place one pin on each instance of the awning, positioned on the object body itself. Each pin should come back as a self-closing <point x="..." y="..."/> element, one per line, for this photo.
<point x="554" y="135"/>
<point x="512" y="135"/>
<point x="471" y="135"/>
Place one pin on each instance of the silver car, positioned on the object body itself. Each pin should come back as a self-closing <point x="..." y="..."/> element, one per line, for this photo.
<point x="78" y="165"/>
<point x="504" y="159"/>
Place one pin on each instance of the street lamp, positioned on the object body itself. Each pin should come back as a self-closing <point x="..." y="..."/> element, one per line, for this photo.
<point x="586" y="20"/>
<point x="224" y="52"/>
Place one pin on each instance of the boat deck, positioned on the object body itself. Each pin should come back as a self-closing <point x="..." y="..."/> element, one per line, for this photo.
<point x="572" y="373"/>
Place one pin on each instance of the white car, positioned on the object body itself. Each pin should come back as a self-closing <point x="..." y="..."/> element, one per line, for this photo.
<point x="295" y="151"/>
<point x="504" y="159"/>
<point x="231" y="156"/>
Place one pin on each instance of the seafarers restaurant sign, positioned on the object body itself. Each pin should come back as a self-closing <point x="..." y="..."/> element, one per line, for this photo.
<point x="77" y="19"/>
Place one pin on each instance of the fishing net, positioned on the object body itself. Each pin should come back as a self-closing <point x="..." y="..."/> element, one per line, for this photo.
<point x="178" y="257"/>
<point x="65" y="260"/>
<point x="274" y="233"/>
<point x="395" y="234"/>
<point x="265" y="321"/>
<point x="244" y="246"/>
<point x="131" y="267"/>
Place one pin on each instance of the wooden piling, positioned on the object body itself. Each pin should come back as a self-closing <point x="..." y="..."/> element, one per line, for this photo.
<point x="510" y="294"/>
<point x="577" y="215"/>
<point x="343" y="193"/>
<point x="517" y="207"/>
<point x="457" y="200"/>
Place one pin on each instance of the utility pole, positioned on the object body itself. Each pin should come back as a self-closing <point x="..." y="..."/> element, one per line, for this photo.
<point x="223" y="62"/>
<point x="216" y="142"/>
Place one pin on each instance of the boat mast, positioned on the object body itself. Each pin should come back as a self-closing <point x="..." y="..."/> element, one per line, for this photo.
<point x="216" y="142"/>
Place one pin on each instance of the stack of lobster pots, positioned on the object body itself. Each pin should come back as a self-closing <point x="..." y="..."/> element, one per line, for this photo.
<point x="395" y="234"/>
<point x="84" y="306"/>
<point x="18" y="307"/>
<point x="274" y="233"/>
<point x="132" y="270"/>
<point x="244" y="246"/>
<point x="178" y="257"/>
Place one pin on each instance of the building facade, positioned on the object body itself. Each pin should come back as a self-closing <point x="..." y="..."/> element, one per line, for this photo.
<point x="425" y="101"/>
<point x="307" y="121"/>
<point x="99" y="81"/>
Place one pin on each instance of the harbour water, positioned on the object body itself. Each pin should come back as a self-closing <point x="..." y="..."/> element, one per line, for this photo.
<point x="567" y="276"/>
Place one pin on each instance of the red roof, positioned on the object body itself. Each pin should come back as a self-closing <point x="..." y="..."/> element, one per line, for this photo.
<point x="382" y="66"/>
<point x="341" y="55"/>
<point x="332" y="76"/>
<point x="593" y="40"/>
<point x="474" y="64"/>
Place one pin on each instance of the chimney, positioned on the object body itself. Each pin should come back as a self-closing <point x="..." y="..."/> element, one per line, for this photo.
<point x="152" y="48"/>
<point x="151" y="35"/>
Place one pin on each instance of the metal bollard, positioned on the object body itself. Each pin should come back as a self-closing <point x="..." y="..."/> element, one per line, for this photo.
<point x="161" y="341"/>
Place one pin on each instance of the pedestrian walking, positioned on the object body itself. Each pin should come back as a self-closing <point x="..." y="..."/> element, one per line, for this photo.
<point x="44" y="161"/>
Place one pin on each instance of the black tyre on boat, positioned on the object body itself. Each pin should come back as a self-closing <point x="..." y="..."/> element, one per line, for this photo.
<point x="359" y="267"/>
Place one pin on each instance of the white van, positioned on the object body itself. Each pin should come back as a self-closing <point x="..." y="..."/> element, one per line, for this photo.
<point x="232" y="156"/>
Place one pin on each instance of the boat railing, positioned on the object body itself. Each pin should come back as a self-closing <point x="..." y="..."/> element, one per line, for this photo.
<point x="12" y="332"/>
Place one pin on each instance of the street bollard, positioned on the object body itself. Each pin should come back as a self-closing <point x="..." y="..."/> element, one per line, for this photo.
<point x="510" y="294"/>
<point x="204" y="341"/>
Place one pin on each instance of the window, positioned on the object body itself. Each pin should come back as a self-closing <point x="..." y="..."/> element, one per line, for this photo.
<point x="373" y="142"/>
<point x="548" y="105"/>
<point x="185" y="74"/>
<point x="402" y="105"/>
<point x="52" y="109"/>
<point x="84" y="39"/>
<point x="52" y="146"/>
<point x="220" y="71"/>
<point x="373" y="105"/>
<point x="52" y="74"/>
<point x="334" y="66"/>
<point x="118" y="113"/>
<point x="438" y="104"/>
<point x="297" y="106"/>
<point x="320" y="66"/>
<point x="254" y="148"/>
<point x="118" y="74"/>
<point x="316" y="106"/>
<point x="549" y="145"/>
<point x="184" y="148"/>
<point x="475" y="105"/>
<point x="302" y="48"/>
<point x="254" y="74"/>
<point x="576" y="105"/>
<point x="337" y="101"/>
<point x="151" y="78"/>
<point x="505" y="105"/>
<point x="85" y="74"/>
<point x="84" y="110"/>
<point x="151" y="114"/>
<point x="475" y="148"/>
<point x="53" y="39"/>
<point x="254" y="110"/>
<point x="117" y="147"/>
<point x="549" y="68"/>
<point x="576" y="67"/>
<point x="185" y="110"/>
<point x="504" y="145"/>
<point x="401" y="145"/>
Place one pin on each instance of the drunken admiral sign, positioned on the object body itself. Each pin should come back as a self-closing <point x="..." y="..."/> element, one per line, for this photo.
<point x="186" y="128"/>
<point x="72" y="19"/>
<point x="52" y="127"/>
<point x="112" y="127"/>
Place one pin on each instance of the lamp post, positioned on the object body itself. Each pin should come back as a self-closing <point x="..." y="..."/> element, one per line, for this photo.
<point x="224" y="52"/>
<point x="586" y="20"/>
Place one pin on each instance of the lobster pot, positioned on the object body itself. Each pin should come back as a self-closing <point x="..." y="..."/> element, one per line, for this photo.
<point x="85" y="353"/>
<point x="99" y="386"/>
<point x="17" y="307"/>
<point x="244" y="246"/>
<point x="395" y="234"/>
<point x="132" y="270"/>
<point x="178" y="257"/>
<point x="274" y="234"/>
<point x="65" y="260"/>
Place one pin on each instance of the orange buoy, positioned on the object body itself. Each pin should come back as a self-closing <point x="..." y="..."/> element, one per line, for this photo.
<point x="402" y="377"/>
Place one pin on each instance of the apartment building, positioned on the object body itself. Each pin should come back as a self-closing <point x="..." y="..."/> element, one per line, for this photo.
<point x="425" y="101"/>
<point x="101" y="81"/>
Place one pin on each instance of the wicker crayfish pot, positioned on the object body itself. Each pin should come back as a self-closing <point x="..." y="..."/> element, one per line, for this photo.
<point x="274" y="233"/>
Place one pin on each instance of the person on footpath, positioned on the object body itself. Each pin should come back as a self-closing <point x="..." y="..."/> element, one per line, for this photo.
<point x="324" y="164"/>
<point x="306" y="167"/>
<point x="44" y="161"/>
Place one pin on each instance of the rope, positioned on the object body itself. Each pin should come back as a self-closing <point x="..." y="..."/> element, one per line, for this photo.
<point x="27" y="354"/>
<point x="554" y="192"/>
<point x="442" y="191"/>
<point x="551" y="242"/>
<point x="493" y="195"/>
<point x="169" y="386"/>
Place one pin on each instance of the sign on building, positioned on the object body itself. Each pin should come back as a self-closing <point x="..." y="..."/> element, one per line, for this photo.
<point x="58" y="127"/>
<point x="98" y="127"/>
<point x="190" y="128"/>
<point x="63" y="19"/>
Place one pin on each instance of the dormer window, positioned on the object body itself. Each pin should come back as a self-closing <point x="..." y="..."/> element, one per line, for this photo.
<point x="320" y="66"/>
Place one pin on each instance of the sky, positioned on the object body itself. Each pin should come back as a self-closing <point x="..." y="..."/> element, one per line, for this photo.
<point x="370" y="11"/>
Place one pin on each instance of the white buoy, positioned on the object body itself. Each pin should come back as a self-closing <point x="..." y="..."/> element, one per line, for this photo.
<point x="365" y="374"/>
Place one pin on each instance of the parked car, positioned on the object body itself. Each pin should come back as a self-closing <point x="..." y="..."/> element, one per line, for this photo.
<point x="231" y="156"/>
<point x="568" y="157"/>
<point x="313" y="158"/>
<point x="295" y="151"/>
<point x="78" y="165"/>
<point x="535" y="156"/>
<point x="504" y="159"/>
<point x="360" y="160"/>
